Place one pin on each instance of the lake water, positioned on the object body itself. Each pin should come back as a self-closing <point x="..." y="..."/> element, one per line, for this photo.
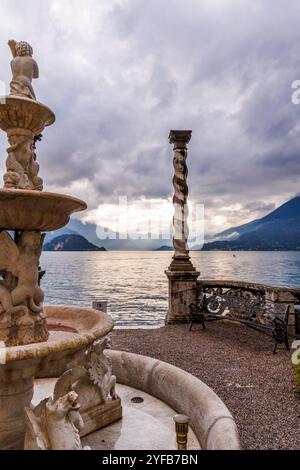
<point x="134" y="283"/>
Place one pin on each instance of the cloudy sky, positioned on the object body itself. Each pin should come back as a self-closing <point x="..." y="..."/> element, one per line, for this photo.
<point x="119" y="74"/>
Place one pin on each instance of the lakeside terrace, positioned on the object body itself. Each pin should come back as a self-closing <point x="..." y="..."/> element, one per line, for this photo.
<point x="238" y="364"/>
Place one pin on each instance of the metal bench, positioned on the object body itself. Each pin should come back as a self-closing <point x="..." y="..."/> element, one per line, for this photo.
<point x="257" y="314"/>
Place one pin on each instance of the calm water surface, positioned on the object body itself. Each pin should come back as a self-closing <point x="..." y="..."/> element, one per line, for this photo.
<point x="134" y="283"/>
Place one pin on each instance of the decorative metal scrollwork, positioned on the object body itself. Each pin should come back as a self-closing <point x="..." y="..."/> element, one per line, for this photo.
<point x="249" y="307"/>
<point x="231" y="302"/>
<point x="239" y="303"/>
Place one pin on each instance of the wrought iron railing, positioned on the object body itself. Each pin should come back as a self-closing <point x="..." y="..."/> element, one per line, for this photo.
<point x="249" y="301"/>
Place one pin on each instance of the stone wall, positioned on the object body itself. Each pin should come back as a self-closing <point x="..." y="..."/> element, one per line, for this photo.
<point x="185" y="289"/>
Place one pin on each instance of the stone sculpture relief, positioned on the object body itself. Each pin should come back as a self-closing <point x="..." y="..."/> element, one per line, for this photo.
<point x="92" y="380"/>
<point x="22" y="168"/>
<point x="21" y="121"/>
<point x="21" y="298"/>
<point x="99" y="368"/>
<point x="24" y="69"/>
<point x="54" y="424"/>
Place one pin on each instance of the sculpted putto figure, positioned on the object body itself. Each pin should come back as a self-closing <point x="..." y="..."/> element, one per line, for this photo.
<point x="22" y="119"/>
<point x="22" y="167"/>
<point x="24" y="69"/>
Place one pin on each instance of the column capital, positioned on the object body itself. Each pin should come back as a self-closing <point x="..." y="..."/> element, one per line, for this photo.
<point x="181" y="138"/>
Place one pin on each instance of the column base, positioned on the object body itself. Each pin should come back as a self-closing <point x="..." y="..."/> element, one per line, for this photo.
<point x="182" y="264"/>
<point x="182" y="292"/>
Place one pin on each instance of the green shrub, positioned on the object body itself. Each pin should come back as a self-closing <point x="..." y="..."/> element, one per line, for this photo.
<point x="297" y="372"/>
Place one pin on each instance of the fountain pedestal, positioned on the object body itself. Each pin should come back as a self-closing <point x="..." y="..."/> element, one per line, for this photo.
<point x="15" y="395"/>
<point x="27" y="211"/>
<point x="34" y="345"/>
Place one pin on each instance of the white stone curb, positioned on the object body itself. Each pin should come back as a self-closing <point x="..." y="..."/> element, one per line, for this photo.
<point x="211" y="421"/>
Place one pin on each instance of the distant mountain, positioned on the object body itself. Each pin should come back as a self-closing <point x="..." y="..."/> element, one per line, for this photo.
<point x="108" y="238"/>
<point x="57" y="233"/>
<point x="279" y="230"/>
<point x="71" y="242"/>
<point x="165" y="248"/>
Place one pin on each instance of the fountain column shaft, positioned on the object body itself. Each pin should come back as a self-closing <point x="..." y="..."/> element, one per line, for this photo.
<point x="14" y="397"/>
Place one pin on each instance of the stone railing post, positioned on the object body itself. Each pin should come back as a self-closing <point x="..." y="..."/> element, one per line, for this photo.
<point x="283" y="298"/>
<point x="181" y="274"/>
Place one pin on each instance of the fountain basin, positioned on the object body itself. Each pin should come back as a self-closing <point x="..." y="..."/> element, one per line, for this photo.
<point x="72" y="331"/>
<point x="145" y="425"/>
<point x="210" y="419"/>
<point x="19" y="112"/>
<point x="165" y="391"/>
<point x="35" y="210"/>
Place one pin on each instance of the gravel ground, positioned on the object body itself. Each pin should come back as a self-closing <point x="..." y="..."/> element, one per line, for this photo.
<point x="238" y="364"/>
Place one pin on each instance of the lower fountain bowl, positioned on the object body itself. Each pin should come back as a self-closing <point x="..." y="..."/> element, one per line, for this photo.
<point x="36" y="210"/>
<point x="72" y="330"/>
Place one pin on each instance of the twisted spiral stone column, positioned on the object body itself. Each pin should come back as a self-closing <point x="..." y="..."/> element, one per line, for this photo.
<point x="181" y="273"/>
<point x="181" y="257"/>
<point x="180" y="223"/>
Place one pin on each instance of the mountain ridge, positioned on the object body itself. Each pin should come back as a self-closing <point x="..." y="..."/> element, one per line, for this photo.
<point x="71" y="242"/>
<point x="278" y="230"/>
<point x="114" y="241"/>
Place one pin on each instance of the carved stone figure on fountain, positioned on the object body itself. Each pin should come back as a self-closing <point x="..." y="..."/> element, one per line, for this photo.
<point x="21" y="165"/>
<point x="92" y="379"/>
<point x="24" y="69"/>
<point x="21" y="316"/>
<point x="99" y="368"/>
<point x="54" y="424"/>
<point x="23" y="119"/>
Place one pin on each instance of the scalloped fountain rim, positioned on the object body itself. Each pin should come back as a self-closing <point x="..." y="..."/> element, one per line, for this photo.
<point x="35" y="210"/>
<point x="89" y="325"/>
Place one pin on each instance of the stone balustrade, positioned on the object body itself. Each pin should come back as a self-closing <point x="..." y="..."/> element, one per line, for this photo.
<point x="245" y="297"/>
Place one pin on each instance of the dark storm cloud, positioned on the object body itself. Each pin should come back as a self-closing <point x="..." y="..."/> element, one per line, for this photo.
<point x="119" y="74"/>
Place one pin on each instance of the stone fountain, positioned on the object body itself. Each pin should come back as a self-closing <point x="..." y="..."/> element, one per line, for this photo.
<point x="35" y="339"/>
<point x="65" y="347"/>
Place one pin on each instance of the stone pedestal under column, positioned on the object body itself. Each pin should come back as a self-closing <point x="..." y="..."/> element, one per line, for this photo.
<point x="182" y="293"/>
